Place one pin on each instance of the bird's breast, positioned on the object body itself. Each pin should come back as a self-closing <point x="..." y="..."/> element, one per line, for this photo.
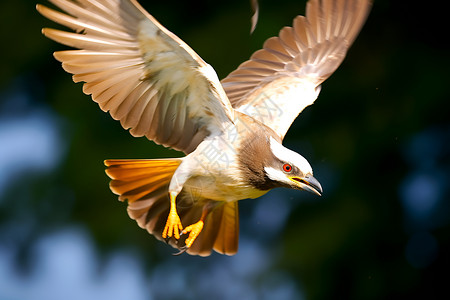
<point x="220" y="188"/>
<point x="216" y="165"/>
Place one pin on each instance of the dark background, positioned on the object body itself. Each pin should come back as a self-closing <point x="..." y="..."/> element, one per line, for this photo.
<point x="378" y="139"/>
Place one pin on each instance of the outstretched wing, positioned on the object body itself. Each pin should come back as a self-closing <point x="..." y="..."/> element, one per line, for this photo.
<point x="284" y="77"/>
<point x="140" y="72"/>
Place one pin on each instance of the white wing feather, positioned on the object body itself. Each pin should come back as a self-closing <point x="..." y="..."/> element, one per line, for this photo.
<point x="280" y="80"/>
<point x="140" y="72"/>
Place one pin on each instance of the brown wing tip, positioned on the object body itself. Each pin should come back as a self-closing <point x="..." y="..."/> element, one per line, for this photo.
<point x="226" y="252"/>
<point x="254" y="19"/>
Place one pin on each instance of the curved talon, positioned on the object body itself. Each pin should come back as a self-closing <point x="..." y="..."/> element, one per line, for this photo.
<point x="182" y="250"/>
<point x="194" y="230"/>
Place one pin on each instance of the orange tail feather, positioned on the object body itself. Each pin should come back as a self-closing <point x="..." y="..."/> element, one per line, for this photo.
<point x="134" y="179"/>
<point x="144" y="184"/>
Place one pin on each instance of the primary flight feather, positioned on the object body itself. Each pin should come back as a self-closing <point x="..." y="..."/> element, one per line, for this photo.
<point x="231" y="131"/>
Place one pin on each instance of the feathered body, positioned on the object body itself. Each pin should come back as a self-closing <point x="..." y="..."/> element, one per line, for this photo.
<point x="231" y="131"/>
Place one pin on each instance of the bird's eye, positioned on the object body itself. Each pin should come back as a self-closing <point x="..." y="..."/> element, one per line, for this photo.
<point x="287" y="168"/>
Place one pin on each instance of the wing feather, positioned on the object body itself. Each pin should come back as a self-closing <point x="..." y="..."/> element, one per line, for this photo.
<point x="284" y="77"/>
<point x="144" y="75"/>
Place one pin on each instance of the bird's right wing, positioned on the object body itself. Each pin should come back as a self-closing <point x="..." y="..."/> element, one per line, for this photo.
<point x="140" y="72"/>
<point x="284" y="77"/>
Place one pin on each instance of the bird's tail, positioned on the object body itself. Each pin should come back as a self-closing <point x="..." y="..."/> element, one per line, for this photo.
<point x="144" y="184"/>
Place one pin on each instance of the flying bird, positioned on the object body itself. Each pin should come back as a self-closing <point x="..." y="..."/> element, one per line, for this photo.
<point x="231" y="130"/>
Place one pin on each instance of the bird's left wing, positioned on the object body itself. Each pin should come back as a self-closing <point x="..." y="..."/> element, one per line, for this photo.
<point x="284" y="77"/>
<point x="140" y="72"/>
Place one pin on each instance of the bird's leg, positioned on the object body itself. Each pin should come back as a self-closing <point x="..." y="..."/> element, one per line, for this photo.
<point x="173" y="224"/>
<point x="195" y="229"/>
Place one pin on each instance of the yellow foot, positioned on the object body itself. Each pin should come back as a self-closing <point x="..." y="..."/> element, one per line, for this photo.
<point x="194" y="230"/>
<point x="173" y="224"/>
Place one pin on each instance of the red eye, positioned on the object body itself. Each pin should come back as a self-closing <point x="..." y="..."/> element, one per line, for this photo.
<point x="287" y="168"/>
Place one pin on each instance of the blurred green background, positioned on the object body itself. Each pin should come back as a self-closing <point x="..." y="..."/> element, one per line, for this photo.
<point x="378" y="139"/>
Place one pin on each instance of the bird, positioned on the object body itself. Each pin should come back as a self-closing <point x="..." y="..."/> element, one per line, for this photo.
<point x="231" y="131"/>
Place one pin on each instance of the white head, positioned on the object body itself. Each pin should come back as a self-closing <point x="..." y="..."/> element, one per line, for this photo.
<point x="290" y="169"/>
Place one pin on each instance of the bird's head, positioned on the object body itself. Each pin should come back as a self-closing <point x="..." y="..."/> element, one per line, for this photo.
<point x="290" y="169"/>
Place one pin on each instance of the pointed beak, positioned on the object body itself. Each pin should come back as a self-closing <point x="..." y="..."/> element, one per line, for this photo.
<point x="308" y="183"/>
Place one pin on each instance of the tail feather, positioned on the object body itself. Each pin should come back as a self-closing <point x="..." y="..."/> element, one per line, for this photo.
<point x="144" y="184"/>
<point x="134" y="179"/>
<point x="227" y="237"/>
<point x="220" y="232"/>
